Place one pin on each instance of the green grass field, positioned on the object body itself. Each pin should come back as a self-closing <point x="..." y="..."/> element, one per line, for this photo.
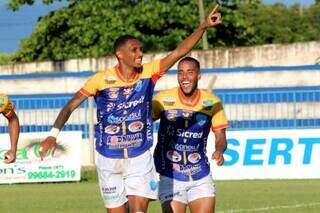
<point x="233" y="196"/>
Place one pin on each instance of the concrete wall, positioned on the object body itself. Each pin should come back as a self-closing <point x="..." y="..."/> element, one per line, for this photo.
<point x="264" y="55"/>
<point x="224" y="80"/>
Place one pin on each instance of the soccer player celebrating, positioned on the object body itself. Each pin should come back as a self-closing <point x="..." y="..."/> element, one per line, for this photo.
<point x="123" y="96"/>
<point x="186" y="116"/>
<point x="7" y="109"/>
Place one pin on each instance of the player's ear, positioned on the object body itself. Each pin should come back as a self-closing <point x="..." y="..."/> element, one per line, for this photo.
<point x="119" y="54"/>
<point x="199" y="75"/>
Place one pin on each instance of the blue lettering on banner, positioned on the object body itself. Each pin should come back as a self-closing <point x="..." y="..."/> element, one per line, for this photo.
<point x="308" y="142"/>
<point x="250" y="150"/>
<point x="233" y="154"/>
<point x="285" y="153"/>
<point x="280" y="151"/>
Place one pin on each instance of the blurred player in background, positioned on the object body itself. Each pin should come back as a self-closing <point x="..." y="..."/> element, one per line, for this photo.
<point x="123" y="96"/>
<point x="186" y="116"/>
<point x="7" y="109"/>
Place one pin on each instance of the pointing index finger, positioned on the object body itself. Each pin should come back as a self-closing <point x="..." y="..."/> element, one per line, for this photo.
<point x="215" y="8"/>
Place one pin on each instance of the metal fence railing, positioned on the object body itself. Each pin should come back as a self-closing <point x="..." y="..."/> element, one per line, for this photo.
<point x="274" y="108"/>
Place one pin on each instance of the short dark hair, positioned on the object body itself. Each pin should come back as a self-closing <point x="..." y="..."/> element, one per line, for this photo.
<point x="121" y="40"/>
<point x="191" y="59"/>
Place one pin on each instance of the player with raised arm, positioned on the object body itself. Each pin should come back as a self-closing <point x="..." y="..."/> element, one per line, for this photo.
<point x="123" y="95"/>
<point x="187" y="114"/>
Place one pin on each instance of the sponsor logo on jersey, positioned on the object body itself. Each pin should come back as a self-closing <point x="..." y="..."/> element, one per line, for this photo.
<point x="125" y="105"/>
<point x="110" y="80"/>
<point x="130" y="104"/>
<point x="168" y="101"/>
<point x="127" y="91"/>
<point x="138" y="86"/>
<point x="187" y="134"/>
<point x="173" y="156"/>
<point x="112" y="129"/>
<point x="110" y="107"/>
<point x="201" y="119"/>
<point x="186" y="169"/>
<point x="136" y="126"/>
<point x="113" y="93"/>
<point x="194" y="157"/>
<point x="184" y="147"/>
<point x="124" y="141"/>
<point x="172" y="115"/>
<point x="187" y="114"/>
<point x="119" y="119"/>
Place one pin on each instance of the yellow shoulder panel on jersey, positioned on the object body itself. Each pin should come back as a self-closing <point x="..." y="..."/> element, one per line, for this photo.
<point x="4" y="101"/>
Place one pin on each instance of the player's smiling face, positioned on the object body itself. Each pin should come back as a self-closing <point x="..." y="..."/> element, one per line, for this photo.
<point x="188" y="76"/>
<point x="132" y="53"/>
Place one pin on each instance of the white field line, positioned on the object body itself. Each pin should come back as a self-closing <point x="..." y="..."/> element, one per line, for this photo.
<point x="272" y="208"/>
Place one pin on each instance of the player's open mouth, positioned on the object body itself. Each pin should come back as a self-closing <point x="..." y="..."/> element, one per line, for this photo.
<point x="186" y="83"/>
<point x="138" y="60"/>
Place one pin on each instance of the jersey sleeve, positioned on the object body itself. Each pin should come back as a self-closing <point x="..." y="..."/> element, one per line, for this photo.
<point x="92" y="85"/>
<point x="157" y="107"/>
<point x="6" y="107"/>
<point x="154" y="69"/>
<point x="219" y="119"/>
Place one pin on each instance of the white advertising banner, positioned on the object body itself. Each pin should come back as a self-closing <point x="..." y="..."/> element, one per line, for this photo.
<point x="269" y="154"/>
<point x="64" y="165"/>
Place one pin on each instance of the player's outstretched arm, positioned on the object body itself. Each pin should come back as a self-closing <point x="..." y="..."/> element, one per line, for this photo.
<point x="220" y="146"/>
<point x="50" y="141"/>
<point x="213" y="19"/>
<point x="14" y="130"/>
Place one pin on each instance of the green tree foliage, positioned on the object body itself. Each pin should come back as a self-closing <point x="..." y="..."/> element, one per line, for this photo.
<point x="5" y="58"/>
<point x="16" y="4"/>
<point x="88" y="28"/>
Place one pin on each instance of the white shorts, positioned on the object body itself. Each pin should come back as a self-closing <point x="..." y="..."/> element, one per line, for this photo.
<point x="119" y="178"/>
<point x="185" y="191"/>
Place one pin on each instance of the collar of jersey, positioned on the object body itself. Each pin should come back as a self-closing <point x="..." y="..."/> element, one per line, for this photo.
<point x="120" y="77"/>
<point x="195" y="101"/>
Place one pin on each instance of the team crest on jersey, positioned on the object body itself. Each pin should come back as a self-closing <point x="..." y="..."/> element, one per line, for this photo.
<point x="201" y="119"/>
<point x="110" y="79"/>
<point x="187" y="114"/>
<point x="172" y="115"/>
<point x="168" y="101"/>
<point x="113" y="93"/>
<point x="138" y="86"/>
<point x="208" y="104"/>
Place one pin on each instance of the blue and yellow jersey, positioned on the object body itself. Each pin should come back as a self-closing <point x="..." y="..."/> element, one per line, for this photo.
<point x="183" y="132"/>
<point x="6" y="107"/>
<point x="124" y="127"/>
